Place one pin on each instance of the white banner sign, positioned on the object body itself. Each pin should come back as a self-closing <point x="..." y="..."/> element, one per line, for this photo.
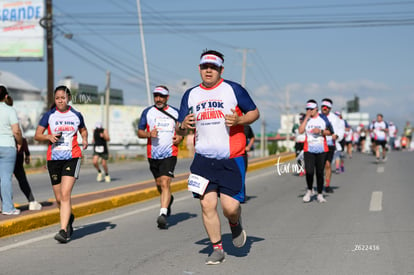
<point x="21" y="35"/>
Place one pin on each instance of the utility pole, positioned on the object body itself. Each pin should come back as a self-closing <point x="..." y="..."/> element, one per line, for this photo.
<point x="47" y="23"/>
<point x="288" y="118"/>
<point x="144" y="53"/>
<point x="107" y="99"/>
<point x="244" y="65"/>
<point x="263" y="138"/>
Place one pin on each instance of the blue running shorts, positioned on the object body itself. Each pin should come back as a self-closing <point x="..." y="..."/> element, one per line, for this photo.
<point x="226" y="176"/>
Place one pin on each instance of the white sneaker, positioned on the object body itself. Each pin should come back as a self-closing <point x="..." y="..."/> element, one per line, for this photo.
<point x="13" y="212"/>
<point x="321" y="198"/>
<point x="307" y="196"/>
<point x="108" y="178"/>
<point x="99" y="177"/>
<point x="34" y="205"/>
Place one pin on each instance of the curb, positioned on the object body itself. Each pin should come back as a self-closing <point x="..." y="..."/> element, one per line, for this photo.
<point x="49" y="217"/>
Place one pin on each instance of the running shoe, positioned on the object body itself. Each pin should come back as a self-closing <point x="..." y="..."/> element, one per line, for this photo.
<point x="320" y="198"/>
<point x="13" y="212"/>
<point x="238" y="235"/>
<point x="169" y="206"/>
<point x="384" y="159"/>
<point x="69" y="228"/>
<point x="307" y="197"/>
<point x="34" y="205"/>
<point x="108" y="178"/>
<point x="99" y="177"/>
<point x="62" y="236"/>
<point x="337" y="171"/>
<point x="162" y="221"/>
<point x="217" y="257"/>
<point x="378" y="160"/>
<point x="328" y="189"/>
<point x="342" y="169"/>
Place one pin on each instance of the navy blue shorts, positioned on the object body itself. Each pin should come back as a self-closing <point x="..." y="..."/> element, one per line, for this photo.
<point x="226" y="176"/>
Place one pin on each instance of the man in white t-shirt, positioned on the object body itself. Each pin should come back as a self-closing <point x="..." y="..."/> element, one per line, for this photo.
<point x="392" y="132"/>
<point x="217" y="110"/>
<point x="157" y="124"/>
<point x="380" y="131"/>
<point x="337" y="136"/>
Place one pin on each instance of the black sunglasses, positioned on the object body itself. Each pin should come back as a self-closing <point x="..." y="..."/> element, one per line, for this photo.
<point x="211" y="66"/>
<point x="160" y="95"/>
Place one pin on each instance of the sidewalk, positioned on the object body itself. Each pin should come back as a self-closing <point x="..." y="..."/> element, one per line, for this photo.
<point x="95" y="202"/>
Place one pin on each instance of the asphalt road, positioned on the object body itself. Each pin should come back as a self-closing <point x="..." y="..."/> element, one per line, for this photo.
<point x="365" y="227"/>
<point x="122" y="173"/>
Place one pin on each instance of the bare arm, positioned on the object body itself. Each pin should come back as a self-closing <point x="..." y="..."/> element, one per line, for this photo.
<point x="251" y="142"/>
<point x="17" y="133"/>
<point x="247" y="118"/>
<point x="145" y="134"/>
<point x="40" y="136"/>
<point x="106" y="135"/>
<point x="302" y="126"/>
<point x="84" y="134"/>
<point x="177" y="139"/>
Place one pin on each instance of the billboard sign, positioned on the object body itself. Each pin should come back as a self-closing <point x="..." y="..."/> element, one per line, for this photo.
<point x="21" y="35"/>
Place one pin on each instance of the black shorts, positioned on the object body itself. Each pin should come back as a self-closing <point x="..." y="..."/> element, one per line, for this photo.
<point x="101" y="155"/>
<point x="59" y="168"/>
<point x="162" y="167"/>
<point x="329" y="155"/>
<point x="381" y="143"/>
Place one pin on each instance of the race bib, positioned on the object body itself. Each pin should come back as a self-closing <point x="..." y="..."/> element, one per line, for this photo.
<point x="63" y="144"/>
<point x="164" y="124"/>
<point x="99" y="149"/>
<point x="197" y="184"/>
<point x="329" y="140"/>
<point x="315" y="139"/>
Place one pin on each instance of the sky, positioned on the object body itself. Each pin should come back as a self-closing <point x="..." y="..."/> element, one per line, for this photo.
<point x="294" y="51"/>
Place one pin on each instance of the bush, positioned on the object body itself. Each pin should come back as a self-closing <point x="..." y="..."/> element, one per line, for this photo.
<point x="39" y="163"/>
<point x="282" y="149"/>
<point x="272" y="148"/>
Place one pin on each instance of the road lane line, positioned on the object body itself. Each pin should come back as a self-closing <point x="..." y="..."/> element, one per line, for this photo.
<point x="376" y="201"/>
<point x="113" y="218"/>
<point x="380" y="169"/>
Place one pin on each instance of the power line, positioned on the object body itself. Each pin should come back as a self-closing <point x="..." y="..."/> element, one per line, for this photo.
<point x="90" y="61"/>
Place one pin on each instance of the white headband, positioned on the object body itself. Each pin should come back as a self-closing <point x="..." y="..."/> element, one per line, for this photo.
<point x="211" y="58"/>
<point x="160" y="90"/>
<point x="311" y="105"/>
<point x="327" y="104"/>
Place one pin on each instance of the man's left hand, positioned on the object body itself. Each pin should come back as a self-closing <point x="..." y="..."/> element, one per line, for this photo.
<point x="233" y="119"/>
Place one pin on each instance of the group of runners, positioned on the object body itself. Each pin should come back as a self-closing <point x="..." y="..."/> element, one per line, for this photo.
<point x="323" y="139"/>
<point x="216" y="113"/>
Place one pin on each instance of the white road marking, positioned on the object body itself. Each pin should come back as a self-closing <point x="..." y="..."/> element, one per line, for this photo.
<point x="260" y="175"/>
<point x="380" y="169"/>
<point x="113" y="218"/>
<point x="117" y="217"/>
<point x="376" y="201"/>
